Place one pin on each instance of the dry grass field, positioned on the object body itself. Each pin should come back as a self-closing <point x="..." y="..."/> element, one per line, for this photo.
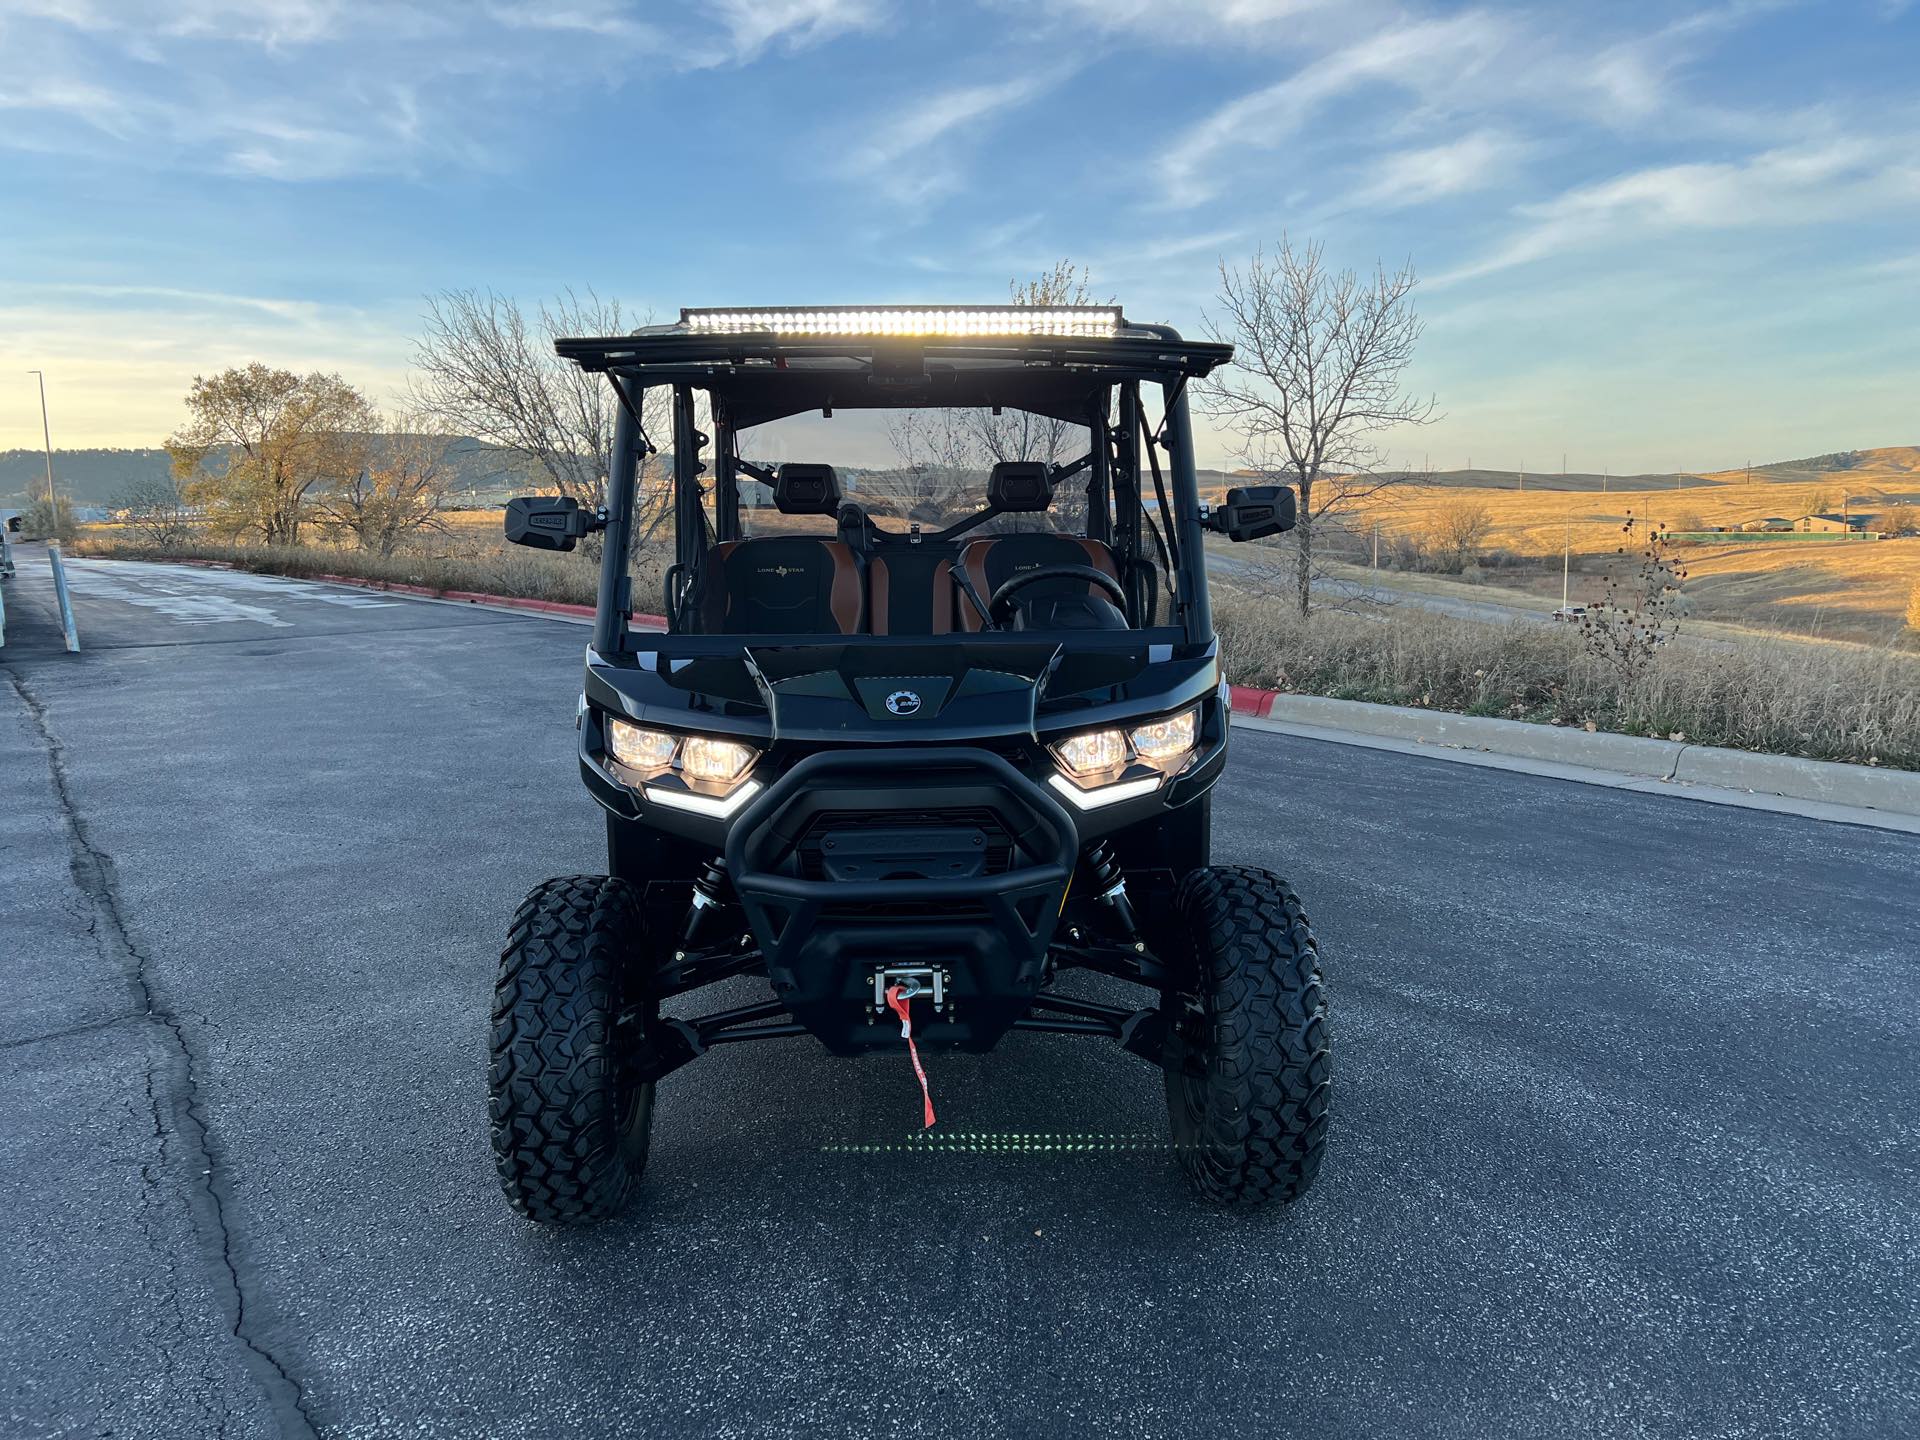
<point x="1851" y="590"/>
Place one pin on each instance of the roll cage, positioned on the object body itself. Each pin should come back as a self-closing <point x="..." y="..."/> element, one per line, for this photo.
<point x="1093" y="369"/>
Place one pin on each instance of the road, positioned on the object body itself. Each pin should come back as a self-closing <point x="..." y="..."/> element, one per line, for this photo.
<point x="1624" y="1138"/>
<point x="1267" y="572"/>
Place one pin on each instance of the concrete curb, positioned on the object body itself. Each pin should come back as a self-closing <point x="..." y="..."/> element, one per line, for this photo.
<point x="1825" y="782"/>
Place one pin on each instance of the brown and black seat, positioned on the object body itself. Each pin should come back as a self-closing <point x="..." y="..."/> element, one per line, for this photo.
<point x="1017" y="487"/>
<point x="787" y="584"/>
<point x="991" y="562"/>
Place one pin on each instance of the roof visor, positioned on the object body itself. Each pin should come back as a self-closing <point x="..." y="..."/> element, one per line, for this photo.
<point x="943" y="320"/>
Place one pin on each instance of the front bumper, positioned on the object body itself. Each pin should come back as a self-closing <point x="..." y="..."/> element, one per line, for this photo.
<point x="949" y="857"/>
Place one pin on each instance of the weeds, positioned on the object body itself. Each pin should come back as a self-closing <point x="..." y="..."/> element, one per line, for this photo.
<point x="1829" y="702"/>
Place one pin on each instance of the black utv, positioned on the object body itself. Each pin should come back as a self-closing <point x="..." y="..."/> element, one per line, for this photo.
<point x="914" y="742"/>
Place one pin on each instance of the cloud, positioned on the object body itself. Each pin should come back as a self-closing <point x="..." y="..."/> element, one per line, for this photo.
<point x="1837" y="180"/>
<point x="321" y="89"/>
<point x="753" y="25"/>
<point x="1471" y="163"/>
<point x="896" y="162"/>
<point x="128" y="392"/>
<point x="1195" y="22"/>
<point x="304" y="312"/>
<point x="1195" y="166"/>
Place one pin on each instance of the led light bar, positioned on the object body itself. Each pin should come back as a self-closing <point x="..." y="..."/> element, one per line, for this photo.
<point x="1106" y="794"/>
<point x="831" y="320"/>
<point x="716" y="806"/>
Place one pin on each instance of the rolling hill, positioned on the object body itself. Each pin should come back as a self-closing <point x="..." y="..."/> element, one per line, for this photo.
<point x="99" y="477"/>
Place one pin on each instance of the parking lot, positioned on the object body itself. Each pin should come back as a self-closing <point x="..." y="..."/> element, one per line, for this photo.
<point x="1624" y="1135"/>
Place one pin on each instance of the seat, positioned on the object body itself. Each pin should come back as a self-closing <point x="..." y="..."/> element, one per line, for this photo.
<point x="991" y="562"/>
<point x="787" y="584"/>
<point x="910" y="592"/>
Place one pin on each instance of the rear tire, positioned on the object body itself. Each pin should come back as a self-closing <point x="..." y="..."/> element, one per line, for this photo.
<point x="570" y="1121"/>
<point x="1249" y="1066"/>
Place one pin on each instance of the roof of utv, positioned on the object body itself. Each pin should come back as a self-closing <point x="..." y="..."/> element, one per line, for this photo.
<point x="763" y="364"/>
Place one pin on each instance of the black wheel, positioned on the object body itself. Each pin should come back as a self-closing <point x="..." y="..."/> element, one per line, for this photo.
<point x="1248" y="1072"/>
<point x="570" y="1121"/>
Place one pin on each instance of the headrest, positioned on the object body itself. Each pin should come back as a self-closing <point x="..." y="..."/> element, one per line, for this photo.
<point x="805" y="489"/>
<point x="1019" y="486"/>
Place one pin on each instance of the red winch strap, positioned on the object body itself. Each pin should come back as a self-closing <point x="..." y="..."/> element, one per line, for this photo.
<point x="899" y="1007"/>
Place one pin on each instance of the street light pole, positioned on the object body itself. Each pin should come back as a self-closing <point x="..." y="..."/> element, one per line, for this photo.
<point x="46" y="435"/>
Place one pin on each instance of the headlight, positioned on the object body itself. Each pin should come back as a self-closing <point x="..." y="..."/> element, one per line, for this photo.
<point x="721" y="761"/>
<point x="1122" y="763"/>
<point x="1093" y="752"/>
<point x="701" y="759"/>
<point x="1165" y="741"/>
<point x="641" y="748"/>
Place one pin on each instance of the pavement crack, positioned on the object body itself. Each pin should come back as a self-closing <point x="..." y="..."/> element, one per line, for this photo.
<point x="86" y="1028"/>
<point x="173" y="1085"/>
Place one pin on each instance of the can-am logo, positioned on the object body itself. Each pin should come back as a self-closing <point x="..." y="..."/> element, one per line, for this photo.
<point x="903" y="702"/>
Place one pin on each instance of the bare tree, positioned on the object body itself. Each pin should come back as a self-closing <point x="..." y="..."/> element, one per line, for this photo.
<point x="487" y="369"/>
<point x="938" y="472"/>
<point x="1316" y="377"/>
<point x="1456" y="531"/>
<point x="1020" y="434"/>
<point x="1900" y="518"/>
<point x="942" y="452"/>
<point x="400" y="490"/>
<point x="156" y="508"/>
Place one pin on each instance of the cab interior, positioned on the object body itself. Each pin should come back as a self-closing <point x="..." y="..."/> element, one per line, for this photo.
<point x="855" y="577"/>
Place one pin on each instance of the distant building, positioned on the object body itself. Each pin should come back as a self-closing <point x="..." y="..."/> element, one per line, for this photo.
<point x="1829" y="524"/>
<point x="1772" y="522"/>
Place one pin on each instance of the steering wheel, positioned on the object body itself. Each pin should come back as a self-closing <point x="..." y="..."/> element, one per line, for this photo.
<point x="1000" y="608"/>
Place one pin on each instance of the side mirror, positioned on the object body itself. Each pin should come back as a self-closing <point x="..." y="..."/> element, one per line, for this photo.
<point x="1254" y="512"/>
<point x="13" y="523"/>
<point x="548" y="522"/>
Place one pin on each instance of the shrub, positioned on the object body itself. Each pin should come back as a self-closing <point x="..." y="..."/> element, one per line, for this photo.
<point x="49" y="520"/>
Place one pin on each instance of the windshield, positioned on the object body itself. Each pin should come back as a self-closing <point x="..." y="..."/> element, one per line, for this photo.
<point x="919" y="522"/>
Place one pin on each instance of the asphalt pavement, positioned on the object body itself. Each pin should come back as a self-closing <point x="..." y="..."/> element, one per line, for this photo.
<point x="1623" y="1138"/>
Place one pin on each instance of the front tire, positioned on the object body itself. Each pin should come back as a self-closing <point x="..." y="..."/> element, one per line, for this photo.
<point x="1248" y="1074"/>
<point x="570" y="1121"/>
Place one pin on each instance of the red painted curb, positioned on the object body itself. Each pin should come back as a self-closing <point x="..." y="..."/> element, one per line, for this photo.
<point x="1247" y="700"/>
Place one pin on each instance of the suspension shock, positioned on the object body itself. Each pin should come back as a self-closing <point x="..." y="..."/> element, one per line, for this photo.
<point x="1110" y="887"/>
<point x="712" y="889"/>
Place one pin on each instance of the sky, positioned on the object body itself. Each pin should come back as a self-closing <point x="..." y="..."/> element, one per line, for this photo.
<point x="1649" y="236"/>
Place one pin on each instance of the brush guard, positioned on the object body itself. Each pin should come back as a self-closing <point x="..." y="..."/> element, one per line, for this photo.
<point x="857" y="863"/>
